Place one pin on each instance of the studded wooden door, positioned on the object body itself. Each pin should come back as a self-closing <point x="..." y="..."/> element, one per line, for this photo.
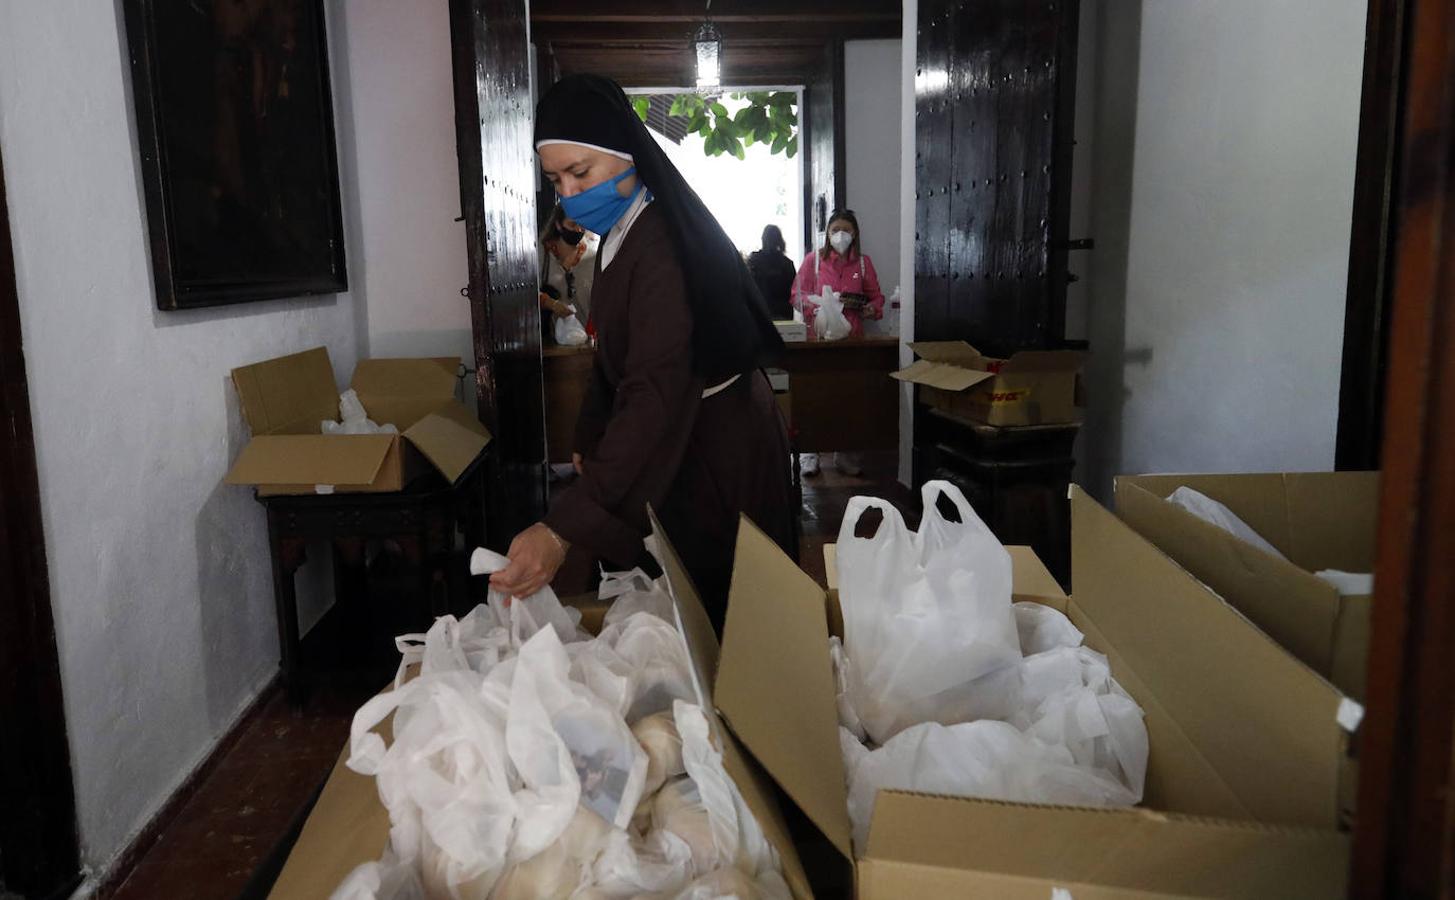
<point x="994" y="80"/>
<point x="493" y="124"/>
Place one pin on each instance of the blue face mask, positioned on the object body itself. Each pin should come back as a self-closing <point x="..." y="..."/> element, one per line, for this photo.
<point x="598" y="208"/>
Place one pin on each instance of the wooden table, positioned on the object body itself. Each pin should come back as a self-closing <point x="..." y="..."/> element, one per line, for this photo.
<point x="566" y="371"/>
<point x="422" y="519"/>
<point x="840" y="394"/>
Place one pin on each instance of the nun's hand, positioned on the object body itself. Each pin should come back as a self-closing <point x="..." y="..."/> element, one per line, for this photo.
<point x="535" y="556"/>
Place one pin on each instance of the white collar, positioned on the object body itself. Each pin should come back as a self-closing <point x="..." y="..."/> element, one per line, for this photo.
<point x="612" y="241"/>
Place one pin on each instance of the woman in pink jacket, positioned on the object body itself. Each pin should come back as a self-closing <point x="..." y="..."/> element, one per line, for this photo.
<point x="839" y="266"/>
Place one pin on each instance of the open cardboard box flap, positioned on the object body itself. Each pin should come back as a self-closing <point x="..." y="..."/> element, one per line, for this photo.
<point x="704" y="651"/>
<point x="1318" y="520"/>
<point x="288" y="395"/>
<point x="1239" y="730"/>
<point x="957" y="366"/>
<point x="403" y="391"/>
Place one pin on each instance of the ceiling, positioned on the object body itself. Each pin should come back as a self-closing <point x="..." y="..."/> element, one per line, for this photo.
<point x="647" y="43"/>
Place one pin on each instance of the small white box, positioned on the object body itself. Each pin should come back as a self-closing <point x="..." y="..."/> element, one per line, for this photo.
<point x="791" y="331"/>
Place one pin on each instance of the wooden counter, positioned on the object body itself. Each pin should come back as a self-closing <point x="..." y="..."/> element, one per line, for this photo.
<point x="840" y="394"/>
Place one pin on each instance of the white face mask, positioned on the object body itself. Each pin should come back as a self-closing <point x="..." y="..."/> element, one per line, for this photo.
<point x="841" y="241"/>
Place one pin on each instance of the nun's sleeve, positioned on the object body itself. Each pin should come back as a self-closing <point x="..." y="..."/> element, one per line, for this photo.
<point x="805" y="285"/>
<point x="654" y="406"/>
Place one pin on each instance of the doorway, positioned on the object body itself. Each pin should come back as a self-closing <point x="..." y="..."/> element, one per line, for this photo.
<point x="39" y="852"/>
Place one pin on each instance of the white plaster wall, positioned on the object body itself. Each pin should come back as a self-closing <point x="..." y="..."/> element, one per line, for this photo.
<point x="159" y="573"/>
<point x="1224" y="162"/>
<point x="397" y="146"/>
<point x="872" y="89"/>
<point x="909" y="50"/>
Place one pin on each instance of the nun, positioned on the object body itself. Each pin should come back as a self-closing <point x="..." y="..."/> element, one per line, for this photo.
<point x="678" y="414"/>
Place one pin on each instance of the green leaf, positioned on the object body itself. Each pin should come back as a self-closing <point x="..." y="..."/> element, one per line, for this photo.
<point x="783" y="98"/>
<point x="738" y="150"/>
<point x="718" y="109"/>
<point x="793" y="147"/>
<point x="678" y="107"/>
<point x="780" y="142"/>
<point x="642" y="103"/>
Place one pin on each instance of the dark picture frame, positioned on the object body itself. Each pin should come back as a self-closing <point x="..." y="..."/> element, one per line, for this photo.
<point x="234" y="113"/>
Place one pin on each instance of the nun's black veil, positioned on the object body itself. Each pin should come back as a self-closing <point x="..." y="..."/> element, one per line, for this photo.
<point x="732" y="331"/>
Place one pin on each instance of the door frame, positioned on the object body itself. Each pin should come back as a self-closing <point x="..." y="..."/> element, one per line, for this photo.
<point x="39" y="848"/>
<point x="1404" y="834"/>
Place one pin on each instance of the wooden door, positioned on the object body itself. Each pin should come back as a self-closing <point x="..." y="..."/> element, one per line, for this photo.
<point x="493" y="125"/>
<point x="39" y="856"/>
<point x="994" y="86"/>
<point x="1404" y="836"/>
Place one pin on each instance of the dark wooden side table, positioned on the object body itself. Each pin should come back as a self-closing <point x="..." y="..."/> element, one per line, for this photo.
<point x="1015" y="478"/>
<point x="422" y="520"/>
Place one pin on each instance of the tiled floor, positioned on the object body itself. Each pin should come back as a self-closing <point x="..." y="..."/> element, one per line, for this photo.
<point x="246" y="809"/>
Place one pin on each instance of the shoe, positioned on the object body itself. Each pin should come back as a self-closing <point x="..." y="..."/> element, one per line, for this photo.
<point x="849" y="463"/>
<point x="808" y="464"/>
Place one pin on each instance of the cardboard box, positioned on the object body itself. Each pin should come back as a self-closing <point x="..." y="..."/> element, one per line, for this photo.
<point x="1033" y="387"/>
<point x="1246" y="771"/>
<point x="349" y="826"/>
<point x="1318" y="520"/>
<point x="284" y="401"/>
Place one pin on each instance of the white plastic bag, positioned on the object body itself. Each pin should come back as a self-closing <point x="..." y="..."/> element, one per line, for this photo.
<point x="633" y="592"/>
<point x="353" y="419"/>
<point x="656" y="656"/>
<point x="1042" y="628"/>
<point x="848" y="715"/>
<point x="829" y="321"/>
<point x="1348" y="584"/>
<point x="384" y="879"/>
<point x="663" y="745"/>
<point x="926" y="616"/>
<point x="1215" y="513"/>
<point x="988" y="759"/>
<point x="444" y="779"/>
<point x="563" y="868"/>
<point x="569" y="330"/>
<point x="567" y="745"/>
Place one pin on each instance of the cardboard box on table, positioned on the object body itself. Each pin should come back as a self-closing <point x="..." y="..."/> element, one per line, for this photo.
<point x="349" y="826"/>
<point x="1246" y="771"/>
<point x="1032" y="387"/>
<point x="1318" y="520"/>
<point x="285" y="400"/>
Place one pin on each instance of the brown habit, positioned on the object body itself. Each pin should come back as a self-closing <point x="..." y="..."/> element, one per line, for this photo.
<point x="648" y="436"/>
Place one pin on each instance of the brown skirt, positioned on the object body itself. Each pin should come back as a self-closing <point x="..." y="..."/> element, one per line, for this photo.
<point x="737" y="462"/>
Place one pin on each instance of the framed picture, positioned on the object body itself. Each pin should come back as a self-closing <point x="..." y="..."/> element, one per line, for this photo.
<point x="235" y="125"/>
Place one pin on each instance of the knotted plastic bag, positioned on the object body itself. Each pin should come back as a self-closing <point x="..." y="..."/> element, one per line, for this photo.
<point x="567" y="745"/>
<point x="829" y="321"/>
<point x="569" y="330"/>
<point x="926" y="616"/>
<point x="444" y="779"/>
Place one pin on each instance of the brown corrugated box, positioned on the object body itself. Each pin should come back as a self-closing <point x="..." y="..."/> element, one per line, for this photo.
<point x="1033" y="387"/>
<point x="285" y="400"/>
<point x="349" y="826"/>
<point x="1318" y="520"/>
<point x="1247" y="763"/>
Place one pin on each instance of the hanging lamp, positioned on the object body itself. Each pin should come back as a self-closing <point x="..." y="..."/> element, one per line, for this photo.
<point x="707" y="44"/>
